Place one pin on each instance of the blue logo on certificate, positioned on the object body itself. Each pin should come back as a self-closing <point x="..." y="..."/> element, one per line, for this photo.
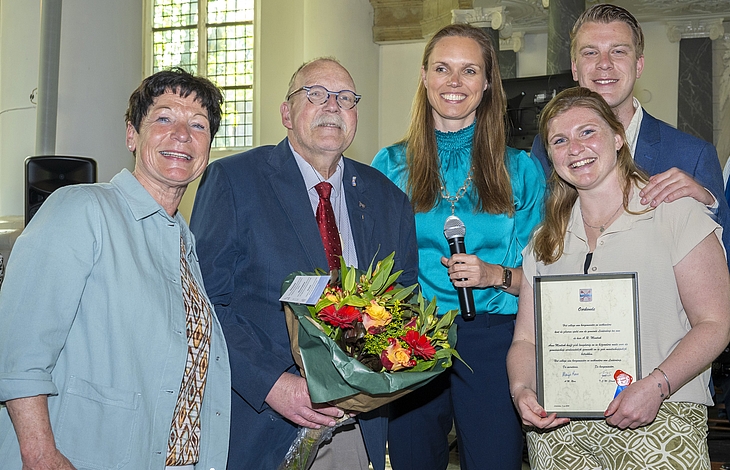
<point x="586" y="295"/>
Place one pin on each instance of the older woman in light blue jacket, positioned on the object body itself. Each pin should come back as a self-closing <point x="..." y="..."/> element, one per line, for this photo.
<point x="110" y="353"/>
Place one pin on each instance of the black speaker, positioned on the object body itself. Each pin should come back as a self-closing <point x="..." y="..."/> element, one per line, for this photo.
<point x="45" y="174"/>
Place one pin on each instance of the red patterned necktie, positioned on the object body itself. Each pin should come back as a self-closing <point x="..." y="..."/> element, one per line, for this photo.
<point x="328" y="226"/>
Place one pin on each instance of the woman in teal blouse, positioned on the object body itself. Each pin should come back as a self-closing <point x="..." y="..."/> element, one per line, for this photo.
<point x="454" y="161"/>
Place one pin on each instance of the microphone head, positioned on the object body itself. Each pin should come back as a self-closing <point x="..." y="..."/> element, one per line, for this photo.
<point x="454" y="227"/>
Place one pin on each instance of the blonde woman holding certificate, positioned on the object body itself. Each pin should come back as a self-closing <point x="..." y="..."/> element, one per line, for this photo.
<point x="595" y="223"/>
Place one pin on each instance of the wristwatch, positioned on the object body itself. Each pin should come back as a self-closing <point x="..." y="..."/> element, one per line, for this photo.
<point x="506" y="278"/>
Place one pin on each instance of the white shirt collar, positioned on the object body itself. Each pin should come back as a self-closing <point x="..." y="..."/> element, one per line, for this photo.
<point x="312" y="177"/>
<point x="632" y="131"/>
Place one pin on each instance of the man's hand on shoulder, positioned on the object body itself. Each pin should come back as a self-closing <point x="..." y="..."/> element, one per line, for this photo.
<point x="672" y="185"/>
<point x="290" y="398"/>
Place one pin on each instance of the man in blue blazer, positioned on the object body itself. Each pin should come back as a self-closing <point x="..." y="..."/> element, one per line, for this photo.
<point x="607" y="51"/>
<point x="254" y="220"/>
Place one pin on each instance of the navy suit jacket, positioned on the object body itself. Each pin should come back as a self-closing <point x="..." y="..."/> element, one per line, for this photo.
<point x="660" y="147"/>
<point x="254" y="225"/>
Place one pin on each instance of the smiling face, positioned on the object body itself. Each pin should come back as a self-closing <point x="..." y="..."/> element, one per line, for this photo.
<point x="172" y="146"/>
<point x="605" y="61"/>
<point x="455" y="79"/>
<point x="324" y="130"/>
<point x="583" y="148"/>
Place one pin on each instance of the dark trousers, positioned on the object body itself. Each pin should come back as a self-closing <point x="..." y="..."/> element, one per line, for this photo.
<point x="488" y="429"/>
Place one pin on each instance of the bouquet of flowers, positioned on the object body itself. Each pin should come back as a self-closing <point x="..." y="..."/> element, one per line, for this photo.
<point x="366" y="342"/>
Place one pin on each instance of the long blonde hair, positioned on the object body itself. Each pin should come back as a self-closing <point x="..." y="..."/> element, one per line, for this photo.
<point x="490" y="176"/>
<point x="549" y="240"/>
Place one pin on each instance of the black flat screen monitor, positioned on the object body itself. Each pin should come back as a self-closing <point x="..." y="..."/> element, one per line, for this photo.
<point x="525" y="99"/>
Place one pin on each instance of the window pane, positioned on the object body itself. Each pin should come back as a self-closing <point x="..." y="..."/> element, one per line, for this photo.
<point x="175" y="13"/>
<point x="175" y="48"/>
<point x="230" y="55"/>
<point x="237" y="124"/>
<point x="230" y="66"/>
<point x="230" y="11"/>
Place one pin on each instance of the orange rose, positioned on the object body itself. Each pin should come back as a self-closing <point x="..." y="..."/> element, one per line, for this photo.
<point x="396" y="357"/>
<point x="375" y="318"/>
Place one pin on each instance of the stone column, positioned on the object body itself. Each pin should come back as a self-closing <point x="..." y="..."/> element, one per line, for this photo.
<point x="561" y="17"/>
<point x="695" y="90"/>
<point x="507" y="59"/>
<point x="495" y="23"/>
<point x="694" y="100"/>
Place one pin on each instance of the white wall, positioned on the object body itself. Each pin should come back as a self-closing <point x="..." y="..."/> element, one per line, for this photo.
<point x="400" y="71"/>
<point x="19" y="43"/>
<point x="101" y="63"/>
<point x="657" y="87"/>
<point x="294" y="32"/>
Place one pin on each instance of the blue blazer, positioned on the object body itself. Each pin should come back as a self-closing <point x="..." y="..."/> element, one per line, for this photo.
<point x="254" y="225"/>
<point x="660" y="147"/>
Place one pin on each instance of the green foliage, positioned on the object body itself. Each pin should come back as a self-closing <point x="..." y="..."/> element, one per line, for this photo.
<point x="377" y="288"/>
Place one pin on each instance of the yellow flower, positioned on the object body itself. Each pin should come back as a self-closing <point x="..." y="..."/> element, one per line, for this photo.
<point x="395" y="357"/>
<point x="375" y="317"/>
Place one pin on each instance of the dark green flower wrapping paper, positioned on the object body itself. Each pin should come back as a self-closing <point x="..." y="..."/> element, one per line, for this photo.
<point x="334" y="377"/>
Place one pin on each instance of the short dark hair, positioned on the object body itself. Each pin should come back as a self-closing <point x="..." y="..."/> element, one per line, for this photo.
<point x="606" y="13"/>
<point x="181" y="82"/>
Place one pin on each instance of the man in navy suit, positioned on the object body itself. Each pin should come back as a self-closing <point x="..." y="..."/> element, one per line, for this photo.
<point x="607" y="51"/>
<point x="254" y="220"/>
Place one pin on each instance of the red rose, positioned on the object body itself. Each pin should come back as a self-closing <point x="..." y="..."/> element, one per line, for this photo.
<point x="344" y="317"/>
<point x="420" y="344"/>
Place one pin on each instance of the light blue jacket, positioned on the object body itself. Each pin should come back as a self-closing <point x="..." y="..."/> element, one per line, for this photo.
<point x="92" y="315"/>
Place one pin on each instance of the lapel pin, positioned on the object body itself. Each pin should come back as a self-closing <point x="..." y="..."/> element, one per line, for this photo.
<point x="362" y="206"/>
<point x="354" y="180"/>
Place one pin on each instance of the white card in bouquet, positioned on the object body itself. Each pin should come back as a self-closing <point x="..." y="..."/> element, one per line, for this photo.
<point x="305" y="290"/>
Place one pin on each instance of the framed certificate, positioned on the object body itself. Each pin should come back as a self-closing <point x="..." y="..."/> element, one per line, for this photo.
<point x="587" y="341"/>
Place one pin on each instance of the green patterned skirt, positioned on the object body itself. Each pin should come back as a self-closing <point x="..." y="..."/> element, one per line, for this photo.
<point x="675" y="440"/>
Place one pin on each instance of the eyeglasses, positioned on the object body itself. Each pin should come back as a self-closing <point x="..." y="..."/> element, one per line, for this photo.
<point x="317" y="94"/>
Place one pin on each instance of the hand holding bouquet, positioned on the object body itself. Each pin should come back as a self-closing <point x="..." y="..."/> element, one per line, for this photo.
<point x="366" y="342"/>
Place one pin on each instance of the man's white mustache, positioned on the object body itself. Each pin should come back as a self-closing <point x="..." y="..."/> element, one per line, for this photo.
<point x="334" y="120"/>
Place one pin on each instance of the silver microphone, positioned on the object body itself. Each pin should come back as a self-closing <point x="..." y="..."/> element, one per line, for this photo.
<point x="454" y="231"/>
